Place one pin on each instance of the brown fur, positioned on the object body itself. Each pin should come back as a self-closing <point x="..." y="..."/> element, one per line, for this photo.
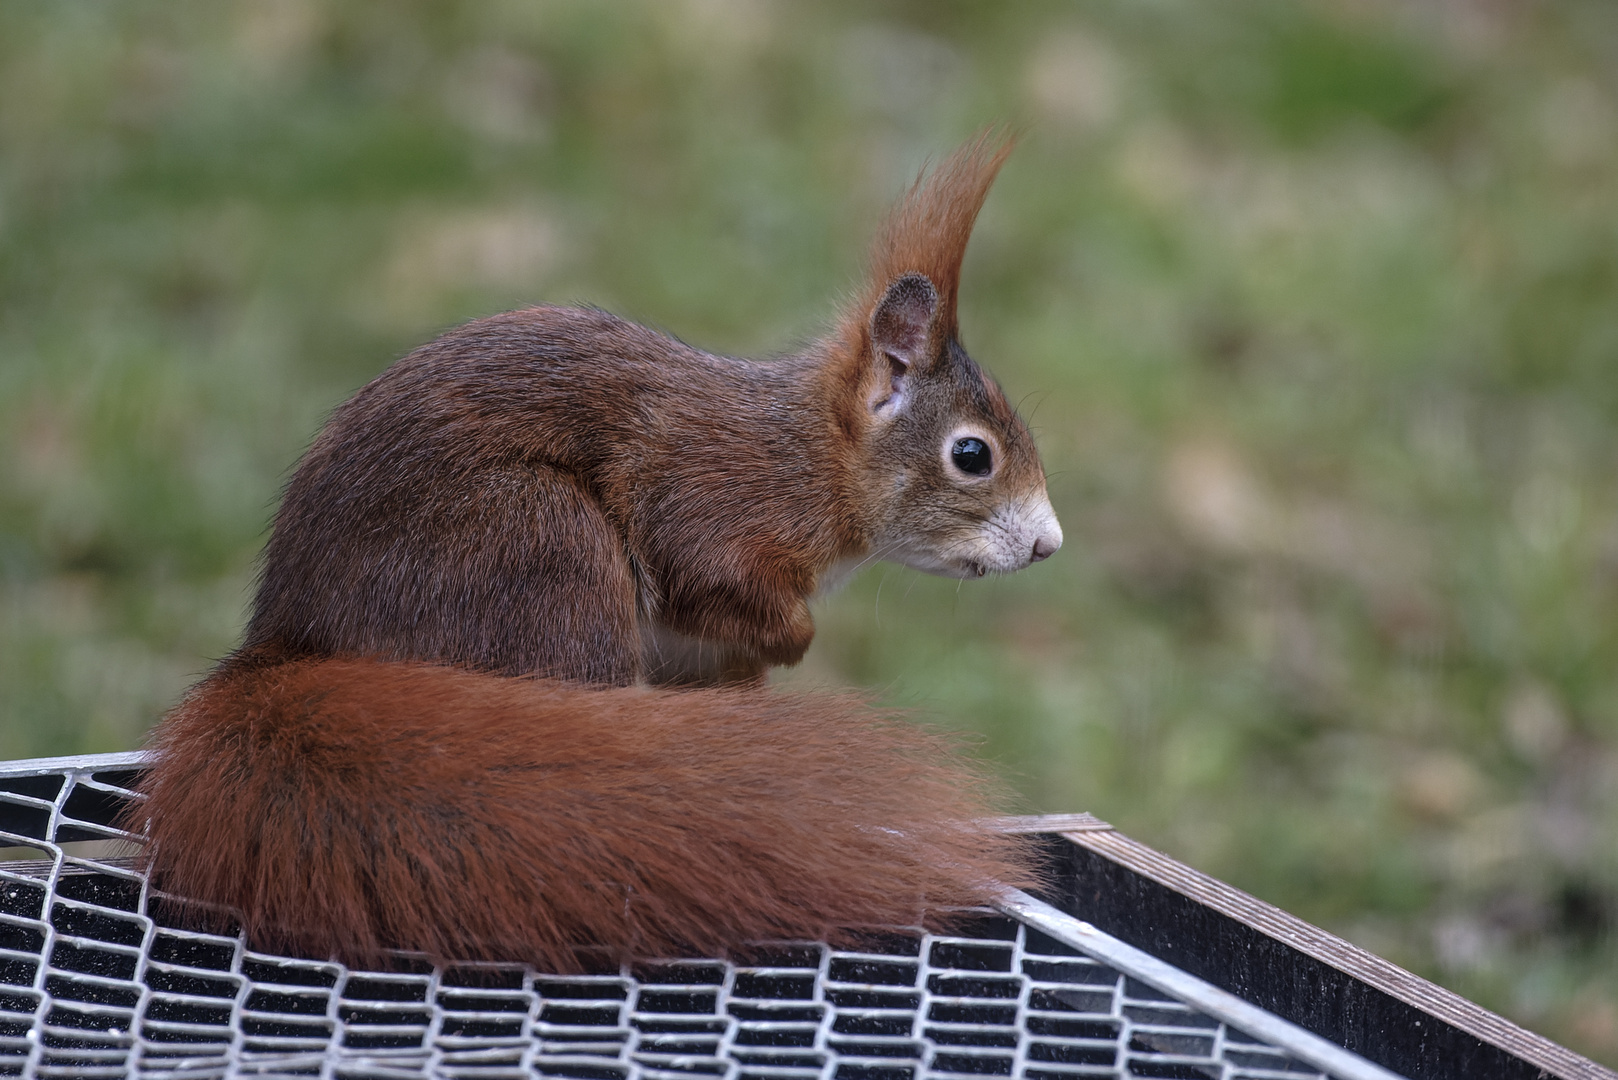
<point x="511" y="496"/>
<point x="347" y="806"/>
<point x="557" y="494"/>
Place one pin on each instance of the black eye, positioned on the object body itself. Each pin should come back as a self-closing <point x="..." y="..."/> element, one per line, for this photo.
<point x="971" y="456"/>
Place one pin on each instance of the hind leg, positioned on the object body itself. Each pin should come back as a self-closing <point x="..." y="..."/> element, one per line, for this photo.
<point x="534" y="581"/>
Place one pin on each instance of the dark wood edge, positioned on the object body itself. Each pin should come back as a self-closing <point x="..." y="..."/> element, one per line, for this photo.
<point x="1444" y="1005"/>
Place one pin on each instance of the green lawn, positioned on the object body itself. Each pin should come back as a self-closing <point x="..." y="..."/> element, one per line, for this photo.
<point x="1313" y="307"/>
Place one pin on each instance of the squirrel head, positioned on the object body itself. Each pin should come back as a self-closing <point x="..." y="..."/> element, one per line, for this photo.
<point x="952" y="477"/>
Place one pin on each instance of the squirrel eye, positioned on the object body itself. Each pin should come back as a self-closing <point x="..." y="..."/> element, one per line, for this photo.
<point x="971" y="456"/>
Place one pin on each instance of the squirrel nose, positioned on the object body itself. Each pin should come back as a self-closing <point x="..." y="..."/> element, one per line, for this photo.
<point x="1046" y="546"/>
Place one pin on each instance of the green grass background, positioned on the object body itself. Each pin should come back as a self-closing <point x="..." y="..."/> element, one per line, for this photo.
<point x="1314" y="308"/>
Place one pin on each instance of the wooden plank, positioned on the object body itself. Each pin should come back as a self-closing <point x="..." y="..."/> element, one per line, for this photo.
<point x="1542" y="1055"/>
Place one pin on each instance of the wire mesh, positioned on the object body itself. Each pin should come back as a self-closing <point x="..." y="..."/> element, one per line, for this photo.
<point x="98" y="980"/>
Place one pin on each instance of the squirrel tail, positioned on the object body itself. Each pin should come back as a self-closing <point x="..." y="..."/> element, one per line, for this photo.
<point x="346" y="807"/>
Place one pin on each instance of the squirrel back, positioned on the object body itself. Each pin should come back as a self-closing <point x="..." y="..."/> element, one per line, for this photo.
<point x="432" y="737"/>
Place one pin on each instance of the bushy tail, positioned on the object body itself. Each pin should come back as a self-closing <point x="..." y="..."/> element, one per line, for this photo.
<point x="344" y="807"/>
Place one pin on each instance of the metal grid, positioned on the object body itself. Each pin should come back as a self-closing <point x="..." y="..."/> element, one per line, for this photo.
<point x="96" y="980"/>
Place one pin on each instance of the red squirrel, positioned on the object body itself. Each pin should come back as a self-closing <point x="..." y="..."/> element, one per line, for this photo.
<point x="500" y="696"/>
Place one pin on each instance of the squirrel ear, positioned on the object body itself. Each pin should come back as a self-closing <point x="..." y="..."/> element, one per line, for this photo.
<point x="901" y="327"/>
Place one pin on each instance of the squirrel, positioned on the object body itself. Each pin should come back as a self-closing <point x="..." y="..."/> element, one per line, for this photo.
<point x="501" y="691"/>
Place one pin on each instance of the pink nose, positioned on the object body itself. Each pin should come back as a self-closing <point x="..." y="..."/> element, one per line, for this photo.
<point x="1046" y="546"/>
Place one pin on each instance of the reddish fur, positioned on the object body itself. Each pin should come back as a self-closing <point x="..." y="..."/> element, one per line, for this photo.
<point x="347" y="806"/>
<point x="518" y="502"/>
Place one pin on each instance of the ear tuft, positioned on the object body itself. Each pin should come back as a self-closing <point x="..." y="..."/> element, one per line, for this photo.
<point x="906" y="305"/>
<point x="926" y="232"/>
<point x="902" y="320"/>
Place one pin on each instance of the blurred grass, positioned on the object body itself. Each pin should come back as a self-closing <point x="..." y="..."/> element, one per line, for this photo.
<point x="1314" y="307"/>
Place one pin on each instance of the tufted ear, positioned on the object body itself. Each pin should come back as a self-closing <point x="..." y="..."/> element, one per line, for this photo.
<point x="901" y="328"/>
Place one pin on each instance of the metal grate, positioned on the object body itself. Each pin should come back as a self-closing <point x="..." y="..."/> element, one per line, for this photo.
<point x="96" y="980"/>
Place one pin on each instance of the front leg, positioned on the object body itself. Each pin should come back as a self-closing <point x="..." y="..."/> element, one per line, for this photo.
<point x="670" y="658"/>
<point x="758" y="620"/>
